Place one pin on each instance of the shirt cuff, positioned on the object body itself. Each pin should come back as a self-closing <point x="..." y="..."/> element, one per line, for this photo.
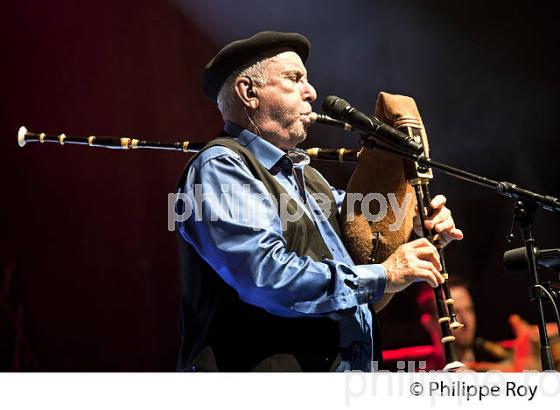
<point x="371" y="282"/>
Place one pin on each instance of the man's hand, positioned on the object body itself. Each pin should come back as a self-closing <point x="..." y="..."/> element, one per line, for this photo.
<point x="416" y="260"/>
<point x="441" y="222"/>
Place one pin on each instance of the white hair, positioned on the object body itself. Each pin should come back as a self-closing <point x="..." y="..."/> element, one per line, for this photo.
<point x="255" y="70"/>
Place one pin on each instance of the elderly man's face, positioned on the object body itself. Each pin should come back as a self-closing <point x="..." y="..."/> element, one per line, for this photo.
<point x="285" y="101"/>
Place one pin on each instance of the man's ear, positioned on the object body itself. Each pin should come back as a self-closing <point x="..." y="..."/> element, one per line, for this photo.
<point x="246" y="92"/>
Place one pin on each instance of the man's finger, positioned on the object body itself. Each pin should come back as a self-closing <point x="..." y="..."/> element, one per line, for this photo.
<point x="446" y="225"/>
<point x="420" y="243"/>
<point x="430" y="255"/>
<point x="428" y="276"/>
<point x="438" y="201"/>
<point x="428" y="266"/>
<point x="454" y="234"/>
<point x="441" y="215"/>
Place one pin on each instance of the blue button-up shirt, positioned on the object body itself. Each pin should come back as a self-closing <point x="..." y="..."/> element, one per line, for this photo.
<point x="240" y="236"/>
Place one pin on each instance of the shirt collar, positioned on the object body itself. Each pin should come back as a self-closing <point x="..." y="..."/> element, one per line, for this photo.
<point x="266" y="153"/>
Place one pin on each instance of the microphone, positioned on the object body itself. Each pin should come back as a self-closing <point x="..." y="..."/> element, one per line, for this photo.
<point x="516" y="259"/>
<point x="341" y="110"/>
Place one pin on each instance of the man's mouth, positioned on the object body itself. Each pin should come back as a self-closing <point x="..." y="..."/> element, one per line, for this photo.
<point x="305" y="118"/>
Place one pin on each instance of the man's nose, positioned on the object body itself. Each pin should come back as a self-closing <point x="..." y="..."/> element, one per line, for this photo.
<point x="309" y="93"/>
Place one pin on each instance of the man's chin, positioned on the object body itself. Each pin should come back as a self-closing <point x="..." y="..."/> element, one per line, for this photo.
<point x="298" y="139"/>
<point x="297" y="133"/>
<point x="302" y="133"/>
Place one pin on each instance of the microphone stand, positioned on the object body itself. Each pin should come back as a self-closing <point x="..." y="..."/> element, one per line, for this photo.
<point x="526" y="204"/>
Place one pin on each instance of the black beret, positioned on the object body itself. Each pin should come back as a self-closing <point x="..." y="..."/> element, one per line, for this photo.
<point x="235" y="54"/>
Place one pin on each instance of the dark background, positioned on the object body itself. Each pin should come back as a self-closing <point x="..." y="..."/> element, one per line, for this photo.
<point x="88" y="270"/>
